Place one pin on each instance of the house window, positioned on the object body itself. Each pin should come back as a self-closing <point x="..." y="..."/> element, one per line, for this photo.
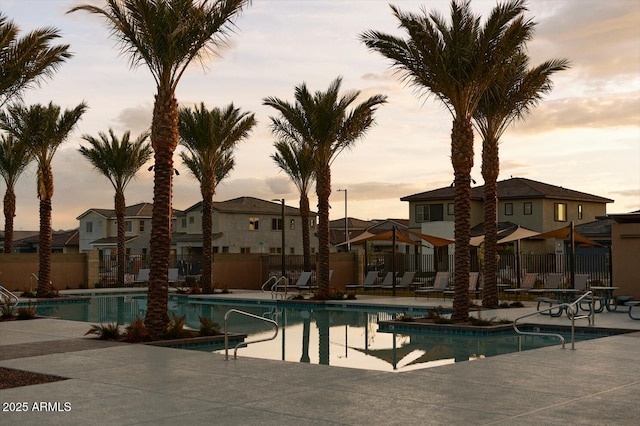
<point x="142" y="226"/>
<point x="276" y="224"/>
<point x="579" y="211"/>
<point x="312" y="222"/>
<point x="254" y="223"/>
<point x="225" y="249"/>
<point x="292" y="250"/>
<point x="192" y="219"/>
<point x="184" y="222"/>
<point x="89" y="227"/>
<point x="275" y="250"/>
<point x="128" y="226"/>
<point x="215" y="249"/>
<point x="560" y="212"/>
<point x="528" y="208"/>
<point x="292" y="224"/>
<point x="245" y="250"/>
<point x="429" y="213"/>
<point x="508" y="209"/>
<point x="450" y="209"/>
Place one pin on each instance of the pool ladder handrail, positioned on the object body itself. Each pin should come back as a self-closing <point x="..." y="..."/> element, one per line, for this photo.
<point x="6" y="296"/>
<point x="572" y="310"/>
<point x="245" y="343"/>
<point x="274" y="287"/>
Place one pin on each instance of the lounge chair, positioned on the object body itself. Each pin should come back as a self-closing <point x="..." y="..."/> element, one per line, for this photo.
<point x="301" y="284"/>
<point x="526" y="286"/>
<point x="405" y="282"/>
<point x="440" y="283"/>
<point x="369" y="281"/>
<point x="173" y="276"/>
<point x="553" y="281"/>
<point x="473" y="286"/>
<point x="143" y="278"/>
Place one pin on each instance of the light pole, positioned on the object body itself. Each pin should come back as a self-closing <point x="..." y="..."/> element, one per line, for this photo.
<point x="282" y="241"/>
<point x="346" y="220"/>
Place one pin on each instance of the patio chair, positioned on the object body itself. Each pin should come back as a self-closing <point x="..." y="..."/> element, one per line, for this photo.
<point x="473" y="286"/>
<point x="440" y="283"/>
<point x="369" y="281"/>
<point x="405" y="282"/>
<point x="173" y="276"/>
<point x="580" y="282"/>
<point x="143" y="278"/>
<point x="302" y="283"/>
<point x="526" y="286"/>
<point x="553" y="281"/>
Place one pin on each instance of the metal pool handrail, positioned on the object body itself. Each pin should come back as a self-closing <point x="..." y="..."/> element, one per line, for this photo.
<point x="569" y="307"/>
<point x="274" y="286"/>
<point x="6" y="294"/>
<point x="245" y="343"/>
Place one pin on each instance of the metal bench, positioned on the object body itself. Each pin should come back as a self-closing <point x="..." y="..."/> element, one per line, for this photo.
<point x="631" y="305"/>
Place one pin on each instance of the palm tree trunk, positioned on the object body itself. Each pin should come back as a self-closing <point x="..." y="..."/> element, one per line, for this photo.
<point x="44" y="249"/>
<point x="462" y="160"/>
<point x="323" y="190"/>
<point x="164" y="139"/>
<point x="9" y="214"/>
<point x="306" y="237"/>
<point x="120" y="213"/>
<point x="490" y="170"/>
<point x="207" y="258"/>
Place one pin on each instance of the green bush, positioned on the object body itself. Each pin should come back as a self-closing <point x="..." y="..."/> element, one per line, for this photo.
<point x="105" y="331"/>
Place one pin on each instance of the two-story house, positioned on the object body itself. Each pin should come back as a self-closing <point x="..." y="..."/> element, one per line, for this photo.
<point x="99" y="229"/>
<point x="244" y="225"/>
<point x="534" y="205"/>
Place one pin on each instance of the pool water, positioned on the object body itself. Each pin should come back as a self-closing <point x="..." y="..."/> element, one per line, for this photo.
<point x="330" y="335"/>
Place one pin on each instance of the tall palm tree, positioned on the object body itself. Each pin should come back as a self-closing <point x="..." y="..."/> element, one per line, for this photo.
<point x="456" y="63"/>
<point x="210" y="138"/>
<point x="119" y="161"/>
<point x="296" y="160"/>
<point x="511" y="96"/>
<point x="166" y="36"/>
<point x="26" y="61"/>
<point x="43" y="129"/>
<point x="14" y="159"/>
<point x="324" y="123"/>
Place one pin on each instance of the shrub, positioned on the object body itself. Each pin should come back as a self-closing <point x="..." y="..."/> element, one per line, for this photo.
<point x="208" y="327"/>
<point x="27" y="313"/>
<point x="105" y="331"/>
<point x="7" y="311"/>
<point x="176" y="329"/>
<point x="137" y="332"/>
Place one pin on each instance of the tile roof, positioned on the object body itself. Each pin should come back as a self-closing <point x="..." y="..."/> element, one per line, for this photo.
<point x="514" y="188"/>
<point x="250" y="205"/>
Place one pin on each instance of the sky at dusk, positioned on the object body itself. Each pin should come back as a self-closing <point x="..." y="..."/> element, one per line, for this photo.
<point x="584" y="135"/>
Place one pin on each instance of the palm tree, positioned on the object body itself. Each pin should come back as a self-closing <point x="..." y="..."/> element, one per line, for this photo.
<point x="296" y="160"/>
<point x="210" y="138"/>
<point x="323" y="122"/>
<point x="166" y="36"/>
<point x="26" y="61"/>
<point x="119" y="161"/>
<point x="14" y="159"/>
<point x="509" y="97"/>
<point x="43" y="129"/>
<point x="456" y="63"/>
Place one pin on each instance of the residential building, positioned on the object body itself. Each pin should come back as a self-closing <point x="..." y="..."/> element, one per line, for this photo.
<point x="99" y="229"/>
<point x="534" y="205"/>
<point x="61" y="242"/>
<point x="244" y="225"/>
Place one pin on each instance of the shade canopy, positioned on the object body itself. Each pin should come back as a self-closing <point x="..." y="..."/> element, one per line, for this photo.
<point x="519" y="234"/>
<point x="565" y="234"/>
<point x="383" y="236"/>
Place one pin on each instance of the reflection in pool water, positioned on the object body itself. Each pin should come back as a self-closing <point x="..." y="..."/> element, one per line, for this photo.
<point x="329" y="335"/>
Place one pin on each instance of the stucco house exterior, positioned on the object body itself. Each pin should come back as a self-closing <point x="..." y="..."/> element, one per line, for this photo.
<point x="531" y="204"/>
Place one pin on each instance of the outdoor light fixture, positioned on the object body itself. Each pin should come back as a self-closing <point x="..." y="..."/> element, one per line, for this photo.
<point x="282" y="243"/>
<point x="346" y="220"/>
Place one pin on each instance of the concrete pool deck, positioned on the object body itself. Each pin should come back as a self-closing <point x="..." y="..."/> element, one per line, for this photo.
<point x="598" y="383"/>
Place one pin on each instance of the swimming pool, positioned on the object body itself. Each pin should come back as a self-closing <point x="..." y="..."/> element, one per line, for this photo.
<point x="336" y="335"/>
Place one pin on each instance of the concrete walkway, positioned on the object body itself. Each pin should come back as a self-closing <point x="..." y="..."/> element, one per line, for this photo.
<point x="124" y="384"/>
